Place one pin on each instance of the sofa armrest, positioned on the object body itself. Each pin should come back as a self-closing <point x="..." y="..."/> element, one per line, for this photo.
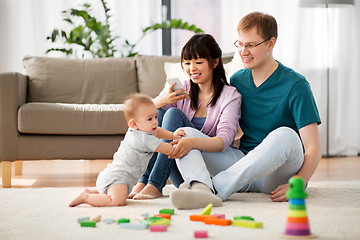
<point x="12" y="95"/>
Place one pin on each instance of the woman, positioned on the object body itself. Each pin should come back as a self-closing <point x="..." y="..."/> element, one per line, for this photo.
<point x="210" y="105"/>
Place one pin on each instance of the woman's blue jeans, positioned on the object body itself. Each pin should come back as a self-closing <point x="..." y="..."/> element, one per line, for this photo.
<point x="160" y="167"/>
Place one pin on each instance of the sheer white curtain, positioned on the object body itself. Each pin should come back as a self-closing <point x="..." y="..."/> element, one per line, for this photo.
<point x="303" y="46"/>
<point x="25" y="24"/>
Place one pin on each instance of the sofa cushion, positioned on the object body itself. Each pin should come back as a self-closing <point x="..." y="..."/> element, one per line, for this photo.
<point x="93" y="81"/>
<point x="72" y="119"/>
<point x="150" y="73"/>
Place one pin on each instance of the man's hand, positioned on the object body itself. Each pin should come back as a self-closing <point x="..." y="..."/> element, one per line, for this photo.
<point x="183" y="147"/>
<point x="279" y="194"/>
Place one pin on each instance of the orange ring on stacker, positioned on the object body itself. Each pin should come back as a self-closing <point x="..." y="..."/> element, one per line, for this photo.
<point x="297" y="220"/>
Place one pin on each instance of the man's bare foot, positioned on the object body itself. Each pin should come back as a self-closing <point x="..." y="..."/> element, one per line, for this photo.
<point x="148" y="192"/>
<point x="80" y="199"/>
<point x="136" y="189"/>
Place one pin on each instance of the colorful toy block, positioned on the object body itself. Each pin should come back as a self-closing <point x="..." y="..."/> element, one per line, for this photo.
<point x="123" y="220"/>
<point x="158" y="228"/>
<point x="81" y="219"/>
<point x="247" y="223"/>
<point x="153" y="219"/>
<point x="96" y="219"/>
<point x="162" y="221"/>
<point x="206" y="210"/>
<point x="297" y="224"/>
<point x="109" y="219"/>
<point x="202" y="218"/>
<point x="218" y="221"/>
<point x="167" y="211"/>
<point x="243" y="218"/>
<point x="88" y="223"/>
<point x="163" y="215"/>
<point x="138" y="226"/>
<point x="200" y="234"/>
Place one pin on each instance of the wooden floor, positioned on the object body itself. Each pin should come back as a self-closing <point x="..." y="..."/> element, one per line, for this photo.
<point x="83" y="173"/>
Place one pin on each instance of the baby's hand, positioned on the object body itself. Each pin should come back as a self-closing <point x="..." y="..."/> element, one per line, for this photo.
<point x="179" y="133"/>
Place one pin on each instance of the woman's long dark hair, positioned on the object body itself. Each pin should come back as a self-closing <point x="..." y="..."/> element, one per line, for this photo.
<point x="205" y="46"/>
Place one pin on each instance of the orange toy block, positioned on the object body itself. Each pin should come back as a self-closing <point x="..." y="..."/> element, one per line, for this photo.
<point x="202" y="218"/>
<point x="218" y="221"/>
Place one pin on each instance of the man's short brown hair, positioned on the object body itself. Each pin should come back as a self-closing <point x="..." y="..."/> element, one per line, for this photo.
<point x="265" y="24"/>
<point x="132" y="104"/>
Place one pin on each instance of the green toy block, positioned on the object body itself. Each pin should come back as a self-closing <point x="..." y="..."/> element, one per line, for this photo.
<point x="153" y="219"/>
<point x="247" y="223"/>
<point x="167" y="211"/>
<point x="206" y="210"/>
<point x="243" y="218"/>
<point x="88" y="223"/>
<point x="123" y="220"/>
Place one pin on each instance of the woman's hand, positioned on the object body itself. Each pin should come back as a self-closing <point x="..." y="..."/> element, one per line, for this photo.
<point x="183" y="147"/>
<point x="175" y="96"/>
<point x="279" y="194"/>
<point x="170" y="97"/>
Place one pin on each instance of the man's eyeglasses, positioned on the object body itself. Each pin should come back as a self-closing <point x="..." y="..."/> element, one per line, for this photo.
<point x="239" y="44"/>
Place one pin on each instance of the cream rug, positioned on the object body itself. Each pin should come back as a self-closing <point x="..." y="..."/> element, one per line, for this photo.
<point x="333" y="210"/>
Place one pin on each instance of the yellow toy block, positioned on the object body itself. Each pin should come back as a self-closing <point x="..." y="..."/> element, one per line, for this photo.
<point x="162" y="221"/>
<point x="206" y="210"/>
<point x="247" y="223"/>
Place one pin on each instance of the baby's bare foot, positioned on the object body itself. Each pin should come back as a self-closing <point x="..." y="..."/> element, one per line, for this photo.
<point x="136" y="189"/>
<point x="80" y="199"/>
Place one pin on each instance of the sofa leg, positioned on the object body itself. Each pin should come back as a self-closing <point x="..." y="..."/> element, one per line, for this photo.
<point x="6" y="174"/>
<point x="18" y="167"/>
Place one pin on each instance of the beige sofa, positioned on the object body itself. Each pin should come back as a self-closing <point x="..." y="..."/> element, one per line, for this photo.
<point x="71" y="108"/>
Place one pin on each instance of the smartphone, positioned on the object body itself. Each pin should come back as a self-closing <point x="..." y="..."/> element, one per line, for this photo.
<point x="178" y="84"/>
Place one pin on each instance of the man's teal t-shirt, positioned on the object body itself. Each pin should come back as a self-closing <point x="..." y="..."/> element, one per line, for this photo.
<point x="284" y="99"/>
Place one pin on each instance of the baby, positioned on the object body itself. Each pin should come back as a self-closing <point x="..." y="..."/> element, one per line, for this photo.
<point x="131" y="160"/>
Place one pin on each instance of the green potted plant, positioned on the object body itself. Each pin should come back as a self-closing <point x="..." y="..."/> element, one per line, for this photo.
<point x="95" y="37"/>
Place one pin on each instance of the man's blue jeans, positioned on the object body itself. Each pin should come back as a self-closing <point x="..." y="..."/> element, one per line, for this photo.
<point x="160" y="167"/>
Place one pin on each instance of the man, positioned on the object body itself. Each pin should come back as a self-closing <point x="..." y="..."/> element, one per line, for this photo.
<point x="279" y="120"/>
<point x="274" y="96"/>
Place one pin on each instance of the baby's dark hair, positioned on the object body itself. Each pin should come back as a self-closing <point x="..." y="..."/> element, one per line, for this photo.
<point x="205" y="46"/>
<point x="133" y="102"/>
